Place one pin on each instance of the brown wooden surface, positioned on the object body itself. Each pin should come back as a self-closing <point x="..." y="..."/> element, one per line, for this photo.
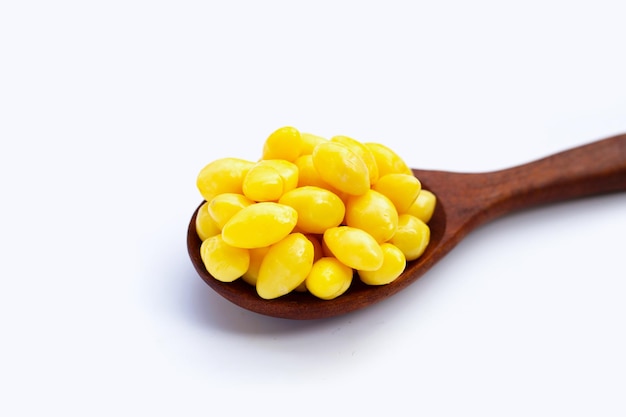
<point x="465" y="201"/>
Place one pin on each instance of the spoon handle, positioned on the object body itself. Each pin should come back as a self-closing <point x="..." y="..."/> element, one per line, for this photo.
<point x="595" y="168"/>
<point x="472" y="199"/>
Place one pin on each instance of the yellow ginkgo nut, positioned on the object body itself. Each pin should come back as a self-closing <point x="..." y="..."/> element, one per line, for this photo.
<point x="318" y="209"/>
<point x="412" y="236"/>
<point x="224" y="206"/>
<point x="309" y="141"/>
<point x="285" y="266"/>
<point x="340" y="167"/>
<point x="263" y="183"/>
<point x="354" y="247"/>
<point x="288" y="171"/>
<point x="401" y="189"/>
<point x="205" y="225"/>
<point x="329" y="278"/>
<point x="224" y="262"/>
<point x="387" y="161"/>
<point x="393" y="265"/>
<point x="363" y="152"/>
<point x="260" y="224"/>
<point x="424" y="206"/>
<point x="224" y="175"/>
<point x="373" y="213"/>
<point x="284" y="143"/>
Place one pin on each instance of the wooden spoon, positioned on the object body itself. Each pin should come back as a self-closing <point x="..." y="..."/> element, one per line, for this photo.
<point x="464" y="201"/>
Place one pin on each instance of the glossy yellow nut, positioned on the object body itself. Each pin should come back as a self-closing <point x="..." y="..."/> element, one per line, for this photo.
<point x="263" y="183"/>
<point x="393" y="265"/>
<point x="318" y="209"/>
<point x="354" y="247"/>
<point x="205" y="225"/>
<point x="401" y="189"/>
<point x="329" y="278"/>
<point x="317" y="254"/>
<point x="388" y="161"/>
<point x="223" y="206"/>
<point x="363" y="152"/>
<point x="341" y="167"/>
<point x="288" y="171"/>
<point x="285" y="266"/>
<point x="260" y="224"/>
<point x="373" y="213"/>
<point x="223" y="261"/>
<point x="284" y="143"/>
<point x="308" y="175"/>
<point x="223" y="175"/>
<point x="256" y="258"/>
<point x="412" y="236"/>
<point x="309" y="141"/>
<point x="424" y="206"/>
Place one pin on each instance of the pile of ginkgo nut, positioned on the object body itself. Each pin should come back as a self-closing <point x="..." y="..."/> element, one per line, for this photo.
<point x="310" y="213"/>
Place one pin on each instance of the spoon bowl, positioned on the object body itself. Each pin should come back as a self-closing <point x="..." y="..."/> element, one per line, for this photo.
<point x="464" y="202"/>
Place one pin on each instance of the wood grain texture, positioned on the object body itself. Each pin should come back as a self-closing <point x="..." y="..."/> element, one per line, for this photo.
<point x="464" y="202"/>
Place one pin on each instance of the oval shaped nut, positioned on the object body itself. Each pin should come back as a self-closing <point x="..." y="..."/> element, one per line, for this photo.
<point x="223" y="175"/>
<point x="329" y="278"/>
<point x="284" y="143"/>
<point x="394" y="264"/>
<point x="205" y="225"/>
<point x="309" y="141"/>
<point x="388" y="161"/>
<point x="223" y="261"/>
<point x="412" y="236"/>
<point x="354" y="247"/>
<point x="373" y="213"/>
<point x="341" y="168"/>
<point x="223" y="206"/>
<point x="258" y="225"/>
<point x="424" y="206"/>
<point x="401" y="189"/>
<point x="317" y="254"/>
<point x="308" y="175"/>
<point x="287" y="170"/>
<point x="263" y="183"/>
<point x="318" y="209"/>
<point x="363" y="151"/>
<point x="285" y="266"/>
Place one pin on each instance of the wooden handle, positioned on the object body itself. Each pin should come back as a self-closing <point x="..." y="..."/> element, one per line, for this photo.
<point x="596" y="168"/>
<point x="470" y="200"/>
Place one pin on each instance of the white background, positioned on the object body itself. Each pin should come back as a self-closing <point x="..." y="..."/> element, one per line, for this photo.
<point x="108" y="110"/>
